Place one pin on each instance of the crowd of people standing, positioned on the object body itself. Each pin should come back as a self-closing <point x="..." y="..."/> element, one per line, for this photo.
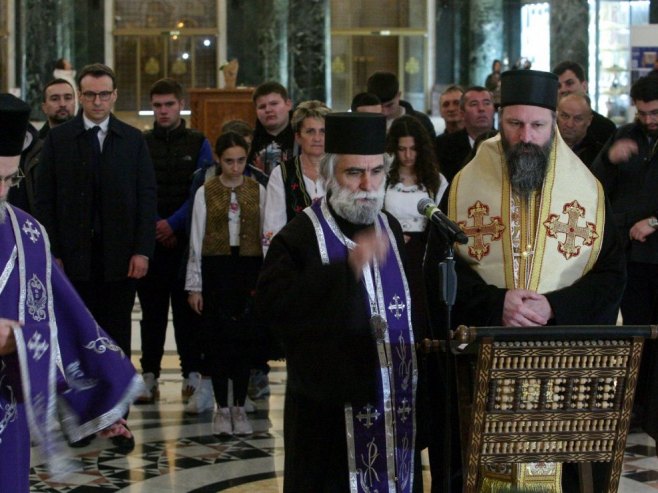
<point x="301" y="239"/>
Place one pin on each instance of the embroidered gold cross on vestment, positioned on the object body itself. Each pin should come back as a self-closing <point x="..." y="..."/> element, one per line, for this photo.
<point x="479" y="230"/>
<point x="588" y="233"/>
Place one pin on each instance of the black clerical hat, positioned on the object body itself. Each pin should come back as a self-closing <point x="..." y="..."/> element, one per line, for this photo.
<point x="528" y="87"/>
<point x="355" y="133"/>
<point x="14" y="117"/>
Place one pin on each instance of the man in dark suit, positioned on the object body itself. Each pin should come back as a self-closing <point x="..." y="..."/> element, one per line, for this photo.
<point x="96" y="198"/>
<point x="571" y="78"/>
<point x="574" y="117"/>
<point x="452" y="149"/>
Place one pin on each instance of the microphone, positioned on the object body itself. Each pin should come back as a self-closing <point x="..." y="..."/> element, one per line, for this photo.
<point x="450" y="230"/>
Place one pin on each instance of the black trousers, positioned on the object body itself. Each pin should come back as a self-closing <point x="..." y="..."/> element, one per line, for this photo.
<point x="111" y="304"/>
<point x="164" y="284"/>
<point x="639" y="306"/>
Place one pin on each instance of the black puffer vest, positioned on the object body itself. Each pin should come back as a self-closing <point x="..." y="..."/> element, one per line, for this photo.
<point x="174" y="154"/>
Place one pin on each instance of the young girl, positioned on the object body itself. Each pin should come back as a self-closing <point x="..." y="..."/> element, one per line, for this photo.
<point x="225" y="258"/>
<point x="414" y="175"/>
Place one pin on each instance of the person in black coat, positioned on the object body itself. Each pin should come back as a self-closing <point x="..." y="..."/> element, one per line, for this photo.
<point x="453" y="149"/>
<point x="386" y="87"/>
<point x="574" y="117"/>
<point x="571" y="78"/>
<point x="628" y="170"/>
<point x="96" y="197"/>
<point x="330" y="298"/>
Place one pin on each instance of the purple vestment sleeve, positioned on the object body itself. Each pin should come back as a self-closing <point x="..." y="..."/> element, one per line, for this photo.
<point x="66" y="368"/>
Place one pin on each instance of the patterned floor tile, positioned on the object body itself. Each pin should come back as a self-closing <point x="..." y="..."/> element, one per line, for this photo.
<point x="177" y="453"/>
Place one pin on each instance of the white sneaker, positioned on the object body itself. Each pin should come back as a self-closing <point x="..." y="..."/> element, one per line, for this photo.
<point x="249" y="405"/>
<point x="221" y="422"/>
<point x="151" y="391"/>
<point x="190" y="384"/>
<point x="202" y="400"/>
<point x="241" y="424"/>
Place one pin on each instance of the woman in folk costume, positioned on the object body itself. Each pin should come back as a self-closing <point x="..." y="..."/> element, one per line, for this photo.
<point x="225" y="258"/>
<point x="297" y="182"/>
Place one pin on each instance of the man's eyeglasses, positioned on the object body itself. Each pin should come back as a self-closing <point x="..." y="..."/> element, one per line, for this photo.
<point x="13" y="180"/>
<point x="91" y="95"/>
<point x="653" y="114"/>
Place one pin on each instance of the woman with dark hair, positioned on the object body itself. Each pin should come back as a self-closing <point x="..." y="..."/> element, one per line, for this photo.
<point x="493" y="78"/>
<point x="222" y="269"/>
<point x="413" y="176"/>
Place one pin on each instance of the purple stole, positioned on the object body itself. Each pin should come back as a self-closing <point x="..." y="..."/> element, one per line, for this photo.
<point x="380" y="435"/>
<point x="81" y="379"/>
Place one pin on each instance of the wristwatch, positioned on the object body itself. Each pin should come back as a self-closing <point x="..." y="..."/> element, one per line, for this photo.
<point x="653" y="222"/>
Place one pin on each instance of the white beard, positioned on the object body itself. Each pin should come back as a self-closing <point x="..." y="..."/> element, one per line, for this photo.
<point x="3" y="210"/>
<point x="350" y="205"/>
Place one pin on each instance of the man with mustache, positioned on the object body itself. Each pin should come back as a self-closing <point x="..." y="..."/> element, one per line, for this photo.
<point x="333" y="289"/>
<point x="628" y="169"/>
<point x="524" y="265"/>
<point x="59" y="371"/>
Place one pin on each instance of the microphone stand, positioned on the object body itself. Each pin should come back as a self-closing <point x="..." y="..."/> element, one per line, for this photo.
<point x="448" y="294"/>
<point x="447" y="279"/>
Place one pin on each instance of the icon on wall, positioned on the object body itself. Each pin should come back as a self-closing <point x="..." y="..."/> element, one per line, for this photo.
<point x="412" y="66"/>
<point x="152" y="66"/>
<point x="178" y="67"/>
<point x="338" y="65"/>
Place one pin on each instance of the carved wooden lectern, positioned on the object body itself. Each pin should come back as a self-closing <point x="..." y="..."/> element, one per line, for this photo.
<point x="546" y="395"/>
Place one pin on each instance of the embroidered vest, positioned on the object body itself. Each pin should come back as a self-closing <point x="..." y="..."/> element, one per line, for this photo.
<point x="216" y="240"/>
<point x="297" y="198"/>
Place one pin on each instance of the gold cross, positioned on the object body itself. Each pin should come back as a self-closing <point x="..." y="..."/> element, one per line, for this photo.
<point x="479" y="229"/>
<point x="571" y="229"/>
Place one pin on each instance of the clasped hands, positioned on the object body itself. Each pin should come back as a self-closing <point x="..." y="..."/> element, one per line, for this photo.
<point x="525" y="308"/>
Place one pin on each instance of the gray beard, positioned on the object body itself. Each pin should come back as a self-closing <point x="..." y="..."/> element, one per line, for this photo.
<point x="527" y="165"/>
<point x="3" y="210"/>
<point x="346" y="206"/>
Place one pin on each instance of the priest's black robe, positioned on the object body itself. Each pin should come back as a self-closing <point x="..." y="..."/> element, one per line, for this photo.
<point x="320" y="314"/>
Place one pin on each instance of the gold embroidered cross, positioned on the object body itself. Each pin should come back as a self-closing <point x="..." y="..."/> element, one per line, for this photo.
<point x="479" y="229"/>
<point x="588" y="233"/>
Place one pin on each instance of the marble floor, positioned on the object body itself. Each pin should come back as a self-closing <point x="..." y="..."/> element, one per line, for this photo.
<point x="177" y="453"/>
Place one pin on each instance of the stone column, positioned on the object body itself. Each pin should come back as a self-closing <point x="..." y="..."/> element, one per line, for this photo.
<point x="37" y="41"/>
<point x="569" y="32"/>
<point x="272" y="36"/>
<point x="307" y="49"/>
<point x="486" y="24"/>
<point x="53" y="29"/>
